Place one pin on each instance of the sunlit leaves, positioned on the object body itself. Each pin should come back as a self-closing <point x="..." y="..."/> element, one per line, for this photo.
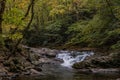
<point x="16" y="36"/>
<point x="60" y="9"/>
<point x="13" y="16"/>
<point x="13" y="23"/>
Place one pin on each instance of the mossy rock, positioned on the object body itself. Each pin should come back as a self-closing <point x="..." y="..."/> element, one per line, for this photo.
<point x="111" y="61"/>
<point x="81" y="65"/>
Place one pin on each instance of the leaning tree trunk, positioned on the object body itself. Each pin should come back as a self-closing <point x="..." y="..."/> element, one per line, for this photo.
<point x="30" y="8"/>
<point x="2" y="9"/>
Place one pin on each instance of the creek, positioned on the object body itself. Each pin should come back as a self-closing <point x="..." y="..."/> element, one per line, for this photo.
<point x="64" y="70"/>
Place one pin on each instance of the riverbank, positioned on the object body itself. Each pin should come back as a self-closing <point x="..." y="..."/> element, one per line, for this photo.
<point x="32" y="60"/>
<point x="27" y="62"/>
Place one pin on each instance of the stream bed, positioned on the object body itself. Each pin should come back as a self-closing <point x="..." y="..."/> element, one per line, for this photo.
<point x="64" y="71"/>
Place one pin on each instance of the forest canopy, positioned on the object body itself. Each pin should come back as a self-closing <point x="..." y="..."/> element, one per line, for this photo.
<point x="82" y="23"/>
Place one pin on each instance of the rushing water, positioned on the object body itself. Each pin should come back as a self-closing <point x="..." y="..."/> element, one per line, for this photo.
<point x="64" y="71"/>
<point x="72" y="57"/>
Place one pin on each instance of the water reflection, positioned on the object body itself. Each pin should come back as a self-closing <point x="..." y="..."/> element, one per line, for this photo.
<point x="69" y="77"/>
<point x="62" y="73"/>
<point x="95" y="77"/>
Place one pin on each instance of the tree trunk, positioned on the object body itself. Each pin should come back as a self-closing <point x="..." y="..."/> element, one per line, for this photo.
<point x="2" y="9"/>
<point x="30" y="8"/>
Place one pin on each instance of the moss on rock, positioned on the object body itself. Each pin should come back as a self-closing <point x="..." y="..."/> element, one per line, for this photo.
<point x="111" y="61"/>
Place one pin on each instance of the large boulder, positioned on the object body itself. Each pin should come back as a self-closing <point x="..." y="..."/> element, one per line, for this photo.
<point x="49" y="53"/>
<point x="93" y="63"/>
<point x="44" y="52"/>
<point x="118" y="79"/>
<point x="110" y="61"/>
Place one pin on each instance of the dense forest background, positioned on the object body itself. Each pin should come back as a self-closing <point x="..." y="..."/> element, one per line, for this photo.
<point x="81" y="23"/>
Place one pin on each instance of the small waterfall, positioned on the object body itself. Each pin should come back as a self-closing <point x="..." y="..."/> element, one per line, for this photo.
<point x="72" y="57"/>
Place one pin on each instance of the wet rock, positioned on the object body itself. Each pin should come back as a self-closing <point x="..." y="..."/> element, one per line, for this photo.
<point x="106" y="71"/>
<point x="35" y="63"/>
<point x="3" y="72"/>
<point x="27" y="65"/>
<point x="99" y="71"/>
<point x="59" y="60"/>
<point x="51" y="55"/>
<point x="118" y="79"/>
<point x="8" y="78"/>
<point x="103" y="62"/>
<point x="44" y="60"/>
<point x="111" y="61"/>
<point x="33" y="57"/>
<point x="44" y="52"/>
<point x="15" y="75"/>
<point x="84" y="70"/>
<point x="1" y="78"/>
<point x="33" y="71"/>
<point x="38" y="69"/>
<point x="81" y="65"/>
<point x="26" y="73"/>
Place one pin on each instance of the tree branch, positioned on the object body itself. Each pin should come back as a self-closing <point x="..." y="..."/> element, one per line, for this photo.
<point x="15" y="47"/>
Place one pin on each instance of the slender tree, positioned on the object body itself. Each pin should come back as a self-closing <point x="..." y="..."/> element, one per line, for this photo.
<point x="30" y="8"/>
<point x="2" y="9"/>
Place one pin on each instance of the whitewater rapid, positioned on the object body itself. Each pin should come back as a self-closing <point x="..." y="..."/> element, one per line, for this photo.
<point x="71" y="57"/>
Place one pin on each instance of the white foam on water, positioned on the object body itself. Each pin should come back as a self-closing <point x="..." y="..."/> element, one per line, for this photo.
<point x="69" y="59"/>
